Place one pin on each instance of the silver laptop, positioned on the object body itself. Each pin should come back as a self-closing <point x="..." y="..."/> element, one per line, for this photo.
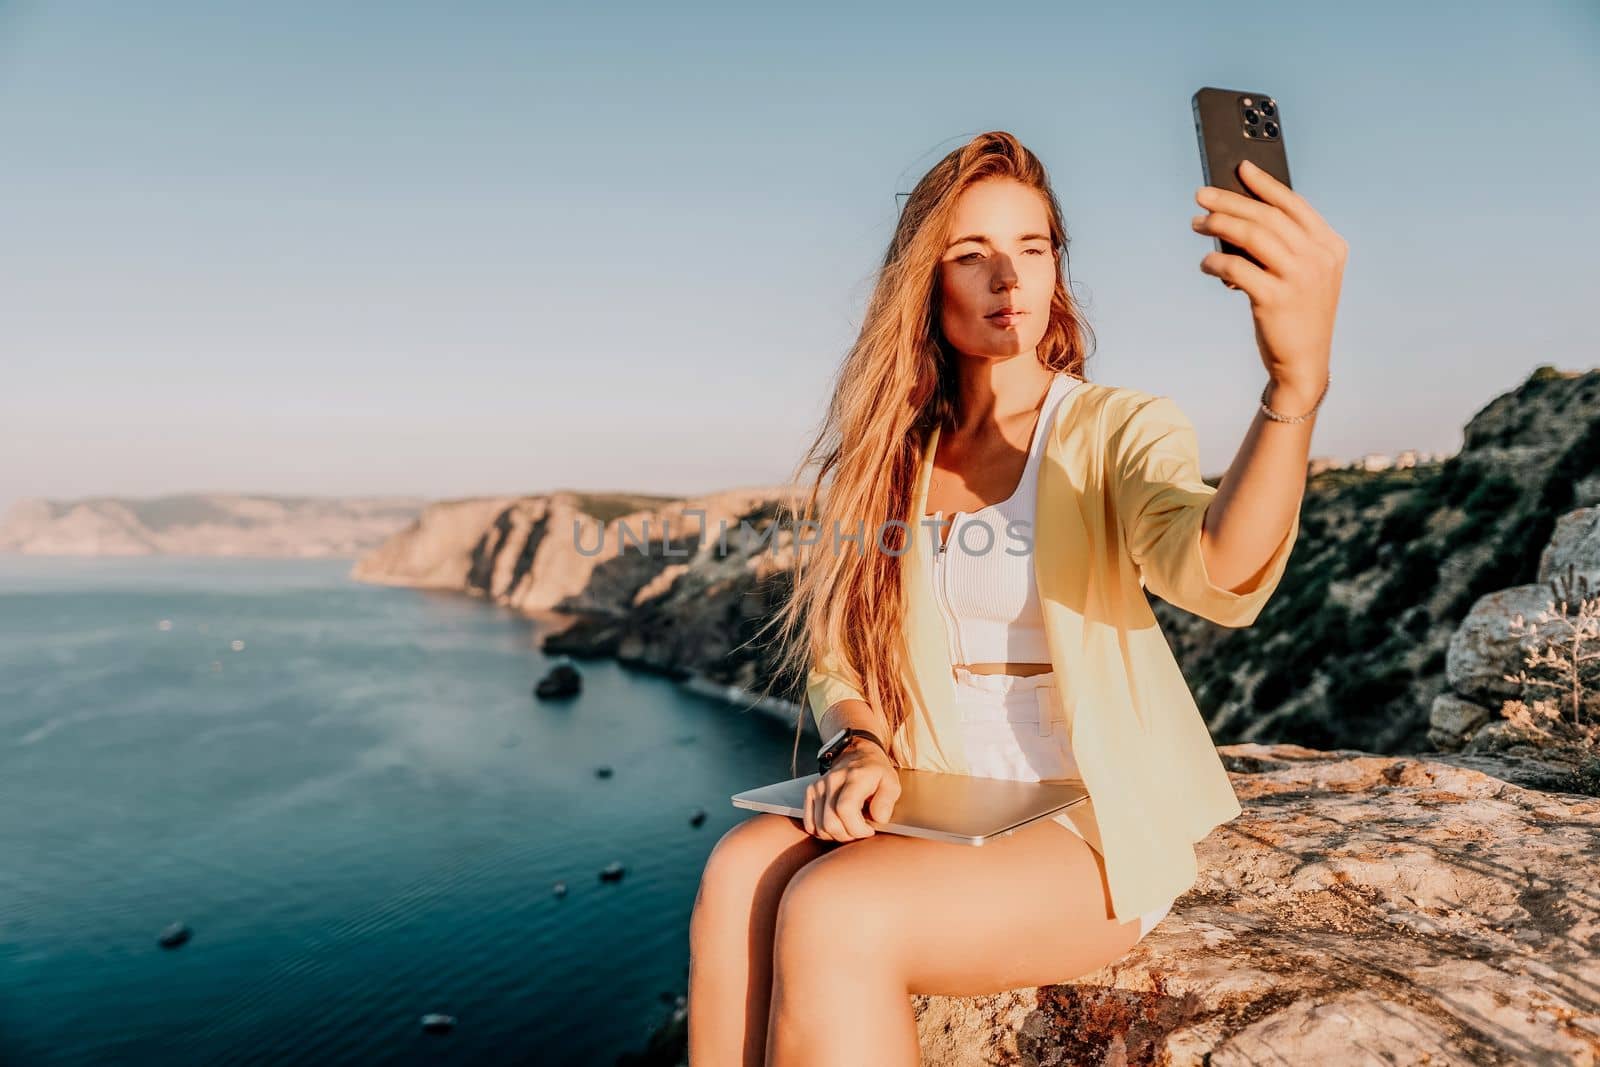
<point x="940" y="806"/>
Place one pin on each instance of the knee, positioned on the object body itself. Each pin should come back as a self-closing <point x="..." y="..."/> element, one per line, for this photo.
<point x="826" y="917"/>
<point x="741" y="866"/>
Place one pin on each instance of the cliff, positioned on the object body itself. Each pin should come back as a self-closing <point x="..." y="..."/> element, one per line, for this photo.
<point x="674" y="586"/>
<point x="205" y="524"/>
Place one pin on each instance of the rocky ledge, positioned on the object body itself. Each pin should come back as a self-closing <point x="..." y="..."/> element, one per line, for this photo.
<point x="1363" y="909"/>
<point x="1371" y="908"/>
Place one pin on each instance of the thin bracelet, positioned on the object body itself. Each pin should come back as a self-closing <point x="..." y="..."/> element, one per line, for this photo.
<point x="1275" y="416"/>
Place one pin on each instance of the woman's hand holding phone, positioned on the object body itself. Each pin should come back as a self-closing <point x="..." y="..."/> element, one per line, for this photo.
<point x="834" y="803"/>
<point x="1294" y="294"/>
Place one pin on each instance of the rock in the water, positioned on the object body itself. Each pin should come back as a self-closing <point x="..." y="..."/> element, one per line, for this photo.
<point x="559" y="889"/>
<point x="175" y="935"/>
<point x="434" y="1023"/>
<point x="602" y="772"/>
<point x="698" y="818"/>
<point x="562" y="681"/>
<point x="612" y="872"/>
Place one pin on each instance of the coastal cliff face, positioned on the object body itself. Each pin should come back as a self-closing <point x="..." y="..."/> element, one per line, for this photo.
<point x="673" y="586"/>
<point x="436" y="549"/>
<point x="205" y="524"/>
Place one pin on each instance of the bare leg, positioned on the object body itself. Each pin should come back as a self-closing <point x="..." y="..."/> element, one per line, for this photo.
<point x="730" y="937"/>
<point x="868" y="924"/>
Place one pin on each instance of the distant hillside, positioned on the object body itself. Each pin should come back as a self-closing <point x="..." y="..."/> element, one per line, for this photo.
<point x="205" y="524"/>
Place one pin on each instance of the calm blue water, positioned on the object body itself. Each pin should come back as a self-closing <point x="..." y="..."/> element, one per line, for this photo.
<point x="360" y="814"/>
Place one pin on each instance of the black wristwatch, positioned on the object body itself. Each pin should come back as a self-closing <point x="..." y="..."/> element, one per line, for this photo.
<point x="839" y="742"/>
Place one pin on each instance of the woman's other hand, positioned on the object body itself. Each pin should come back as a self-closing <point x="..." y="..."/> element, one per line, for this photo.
<point x="834" y="804"/>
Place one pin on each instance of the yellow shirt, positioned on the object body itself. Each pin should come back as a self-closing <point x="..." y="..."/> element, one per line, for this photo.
<point x="1120" y="508"/>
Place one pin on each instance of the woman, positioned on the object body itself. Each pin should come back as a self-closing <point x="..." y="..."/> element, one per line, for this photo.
<point x="964" y="397"/>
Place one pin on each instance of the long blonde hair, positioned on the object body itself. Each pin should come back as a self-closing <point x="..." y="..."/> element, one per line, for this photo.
<point x="898" y="382"/>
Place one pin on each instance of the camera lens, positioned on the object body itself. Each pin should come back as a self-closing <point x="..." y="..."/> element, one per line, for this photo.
<point x="1272" y="129"/>
<point x="1247" y="101"/>
<point x="1252" y="116"/>
<point x="1268" y="108"/>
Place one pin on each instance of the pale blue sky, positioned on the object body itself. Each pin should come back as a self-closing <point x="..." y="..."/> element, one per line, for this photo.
<point x="473" y="248"/>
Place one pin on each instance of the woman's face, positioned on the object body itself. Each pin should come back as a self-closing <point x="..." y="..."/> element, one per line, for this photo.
<point x="998" y="255"/>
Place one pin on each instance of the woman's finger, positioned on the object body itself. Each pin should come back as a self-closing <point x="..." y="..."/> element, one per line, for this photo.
<point x="822" y="809"/>
<point x="1253" y="237"/>
<point x="819" y="807"/>
<point x="883" y="801"/>
<point x="850" y="801"/>
<point x="1239" y="273"/>
<point x="1228" y="202"/>
<point x="832" y="826"/>
<point x="1291" y="203"/>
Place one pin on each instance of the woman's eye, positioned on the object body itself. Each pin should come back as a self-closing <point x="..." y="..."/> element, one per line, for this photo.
<point x="979" y="255"/>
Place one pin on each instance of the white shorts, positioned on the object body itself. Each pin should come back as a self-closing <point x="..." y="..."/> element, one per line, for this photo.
<point x="1011" y="730"/>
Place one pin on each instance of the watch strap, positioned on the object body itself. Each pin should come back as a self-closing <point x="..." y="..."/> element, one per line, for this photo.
<point x="826" y="757"/>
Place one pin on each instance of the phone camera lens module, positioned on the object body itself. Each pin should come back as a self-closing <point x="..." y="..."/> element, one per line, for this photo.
<point x="1268" y="108"/>
<point x="1272" y="129"/>
<point x="1252" y="116"/>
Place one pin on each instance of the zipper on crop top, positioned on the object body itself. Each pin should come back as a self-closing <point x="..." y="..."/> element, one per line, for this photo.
<point x="941" y="584"/>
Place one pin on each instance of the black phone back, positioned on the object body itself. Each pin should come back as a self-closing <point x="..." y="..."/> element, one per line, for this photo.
<point x="1233" y="126"/>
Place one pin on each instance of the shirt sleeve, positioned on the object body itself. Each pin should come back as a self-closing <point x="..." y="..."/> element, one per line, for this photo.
<point x="1161" y="502"/>
<point x="830" y="681"/>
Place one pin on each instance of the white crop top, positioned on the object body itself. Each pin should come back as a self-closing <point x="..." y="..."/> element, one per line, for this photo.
<point x="983" y="577"/>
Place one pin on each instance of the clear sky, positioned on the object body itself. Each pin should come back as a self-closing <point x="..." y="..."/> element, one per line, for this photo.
<point x="476" y="248"/>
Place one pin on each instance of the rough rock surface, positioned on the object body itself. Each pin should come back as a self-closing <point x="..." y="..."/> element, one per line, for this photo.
<point x="1363" y="909"/>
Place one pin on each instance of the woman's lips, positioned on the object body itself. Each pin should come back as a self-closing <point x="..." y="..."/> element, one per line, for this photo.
<point x="1006" y="319"/>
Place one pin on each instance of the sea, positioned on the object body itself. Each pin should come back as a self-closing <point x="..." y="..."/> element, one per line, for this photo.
<point x="352" y="801"/>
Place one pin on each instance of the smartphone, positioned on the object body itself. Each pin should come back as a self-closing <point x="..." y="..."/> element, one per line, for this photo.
<point x="1233" y="126"/>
